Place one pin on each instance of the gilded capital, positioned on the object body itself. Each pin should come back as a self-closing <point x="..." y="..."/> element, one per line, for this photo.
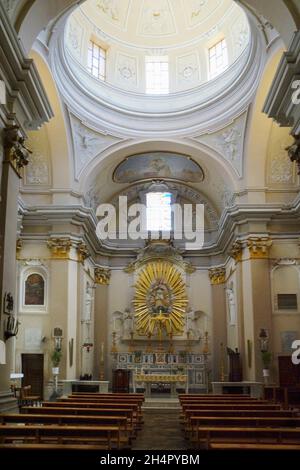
<point x="217" y="276"/>
<point x="82" y="252"/>
<point x="102" y="276"/>
<point x="294" y="152"/>
<point x="60" y="247"/>
<point x="15" y="149"/>
<point x="236" y="251"/>
<point x="259" y="247"/>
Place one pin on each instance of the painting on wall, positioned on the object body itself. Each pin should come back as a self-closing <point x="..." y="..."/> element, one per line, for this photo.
<point x="34" y="290"/>
<point x="158" y="165"/>
<point x="287" y="338"/>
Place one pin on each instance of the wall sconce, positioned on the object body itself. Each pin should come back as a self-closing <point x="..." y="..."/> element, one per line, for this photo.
<point x="264" y="340"/>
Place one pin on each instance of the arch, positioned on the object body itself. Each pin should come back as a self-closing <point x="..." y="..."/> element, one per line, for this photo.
<point x="281" y="14"/>
<point x="60" y="155"/>
<point x="205" y="156"/>
<point x="259" y="128"/>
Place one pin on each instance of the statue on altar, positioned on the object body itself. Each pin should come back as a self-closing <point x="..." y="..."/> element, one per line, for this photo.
<point x="159" y="299"/>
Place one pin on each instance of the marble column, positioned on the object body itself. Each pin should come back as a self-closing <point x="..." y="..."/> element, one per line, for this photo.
<point x="101" y="351"/>
<point x="10" y="181"/>
<point x="219" y="326"/>
<point x="257" y="306"/>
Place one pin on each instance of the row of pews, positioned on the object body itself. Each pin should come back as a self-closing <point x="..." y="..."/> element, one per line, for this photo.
<point x="79" y="422"/>
<point x="230" y="422"/>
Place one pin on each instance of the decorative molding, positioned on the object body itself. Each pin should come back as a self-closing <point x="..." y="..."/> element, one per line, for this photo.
<point x="285" y="262"/>
<point x="281" y="169"/>
<point x="127" y="69"/>
<point x="14" y="147"/>
<point x="259" y="247"/>
<point x="75" y="34"/>
<point x="156" y="19"/>
<point x="187" y="70"/>
<point x="60" y="247"/>
<point x="279" y="104"/>
<point x="294" y="152"/>
<point x="38" y="170"/>
<point x="9" y="6"/>
<point x="82" y="252"/>
<point x="236" y="251"/>
<point x="88" y="144"/>
<point x="19" y="246"/>
<point x="217" y="276"/>
<point x="228" y="142"/>
<point x="102" y="276"/>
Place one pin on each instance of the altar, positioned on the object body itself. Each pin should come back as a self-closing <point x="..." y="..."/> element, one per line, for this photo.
<point x="92" y="386"/>
<point x="148" y="379"/>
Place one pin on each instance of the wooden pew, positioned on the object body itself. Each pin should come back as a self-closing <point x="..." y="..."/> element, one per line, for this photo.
<point x="61" y="411"/>
<point x="209" y="434"/>
<point x="107" y="436"/>
<point x="256" y="446"/>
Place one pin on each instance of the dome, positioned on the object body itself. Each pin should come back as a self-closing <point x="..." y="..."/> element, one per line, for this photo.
<point x="186" y="42"/>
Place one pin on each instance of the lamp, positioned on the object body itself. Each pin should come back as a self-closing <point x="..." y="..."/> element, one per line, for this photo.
<point x="264" y="340"/>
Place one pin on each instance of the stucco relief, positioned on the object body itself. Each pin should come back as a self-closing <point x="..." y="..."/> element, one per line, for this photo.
<point x="109" y="8"/>
<point x="75" y="34"/>
<point x="188" y="69"/>
<point x="9" y="6"/>
<point x="280" y="169"/>
<point x="240" y="33"/>
<point x="38" y="170"/>
<point x="127" y="69"/>
<point x="156" y="19"/>
<point x="198" y="11"/>
<point x="88" y="144"/>
<point x="229" y="142"/>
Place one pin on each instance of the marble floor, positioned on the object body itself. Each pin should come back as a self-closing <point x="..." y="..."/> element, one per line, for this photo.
<point x="161" y="431"/>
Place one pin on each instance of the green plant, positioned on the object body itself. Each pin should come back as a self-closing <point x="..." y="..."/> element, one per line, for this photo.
<point x="266" y="357"/>
<point x="56" y="357"/>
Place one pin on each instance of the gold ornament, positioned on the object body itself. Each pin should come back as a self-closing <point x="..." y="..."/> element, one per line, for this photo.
<point x="160" y="299"/>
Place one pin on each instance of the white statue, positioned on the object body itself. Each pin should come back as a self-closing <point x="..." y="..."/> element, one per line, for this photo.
<point x="88" y="303"/>
<point x="192" y="326"/>
<point x="231" y="306"/>
<point x="127" y="323"/>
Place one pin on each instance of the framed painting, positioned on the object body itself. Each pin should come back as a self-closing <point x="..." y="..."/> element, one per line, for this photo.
<point x="34" y="289"/>
<point x="287" y="338"/>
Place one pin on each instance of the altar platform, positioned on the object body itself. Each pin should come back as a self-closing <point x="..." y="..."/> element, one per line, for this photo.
<point x="254" y="389"/>
<point x="74" y="385"/>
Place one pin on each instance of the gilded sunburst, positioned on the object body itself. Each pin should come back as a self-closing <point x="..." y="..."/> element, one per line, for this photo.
<point x="160" y="299"/>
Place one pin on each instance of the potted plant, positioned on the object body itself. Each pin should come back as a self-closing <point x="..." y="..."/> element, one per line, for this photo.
<point x="266" y="357"/>
<point x="55" y="359"/>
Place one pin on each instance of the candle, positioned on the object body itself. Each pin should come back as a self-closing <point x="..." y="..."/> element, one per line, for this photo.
<point x="102" y="353"/>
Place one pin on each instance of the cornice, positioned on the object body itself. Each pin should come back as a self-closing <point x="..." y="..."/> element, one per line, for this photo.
<point x="85" y="218"/>
<point x="24" y="88"/>
<point x="279" y="104"/>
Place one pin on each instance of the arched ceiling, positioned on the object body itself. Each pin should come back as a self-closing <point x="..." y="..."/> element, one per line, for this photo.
<point x="157" y="23"/>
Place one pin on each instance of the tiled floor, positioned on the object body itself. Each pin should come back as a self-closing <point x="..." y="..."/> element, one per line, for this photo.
<point x="161" y="431"/>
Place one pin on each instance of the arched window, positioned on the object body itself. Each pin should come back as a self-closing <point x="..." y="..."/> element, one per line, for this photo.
<point x="34" y="290"/>
<point x="159" y="211"/>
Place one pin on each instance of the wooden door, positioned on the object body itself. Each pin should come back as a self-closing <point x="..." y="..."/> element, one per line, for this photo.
<point x="121" y="378"/>
<point x="33" y="370"/>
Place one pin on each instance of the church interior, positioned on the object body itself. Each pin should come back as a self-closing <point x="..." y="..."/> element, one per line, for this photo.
<point x="149" y="225"/>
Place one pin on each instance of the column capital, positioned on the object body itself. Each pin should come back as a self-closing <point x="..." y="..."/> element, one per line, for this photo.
<point x="102" y="276"/>
<point x="82" y="252"/>
<point x="15" y="149"/>
<point x="217" y="276"/>
<point x="236" y="251"/>
<point x="259" y="247"/>
<point x="294" y="152"/>
<point x="60" y="247"/>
